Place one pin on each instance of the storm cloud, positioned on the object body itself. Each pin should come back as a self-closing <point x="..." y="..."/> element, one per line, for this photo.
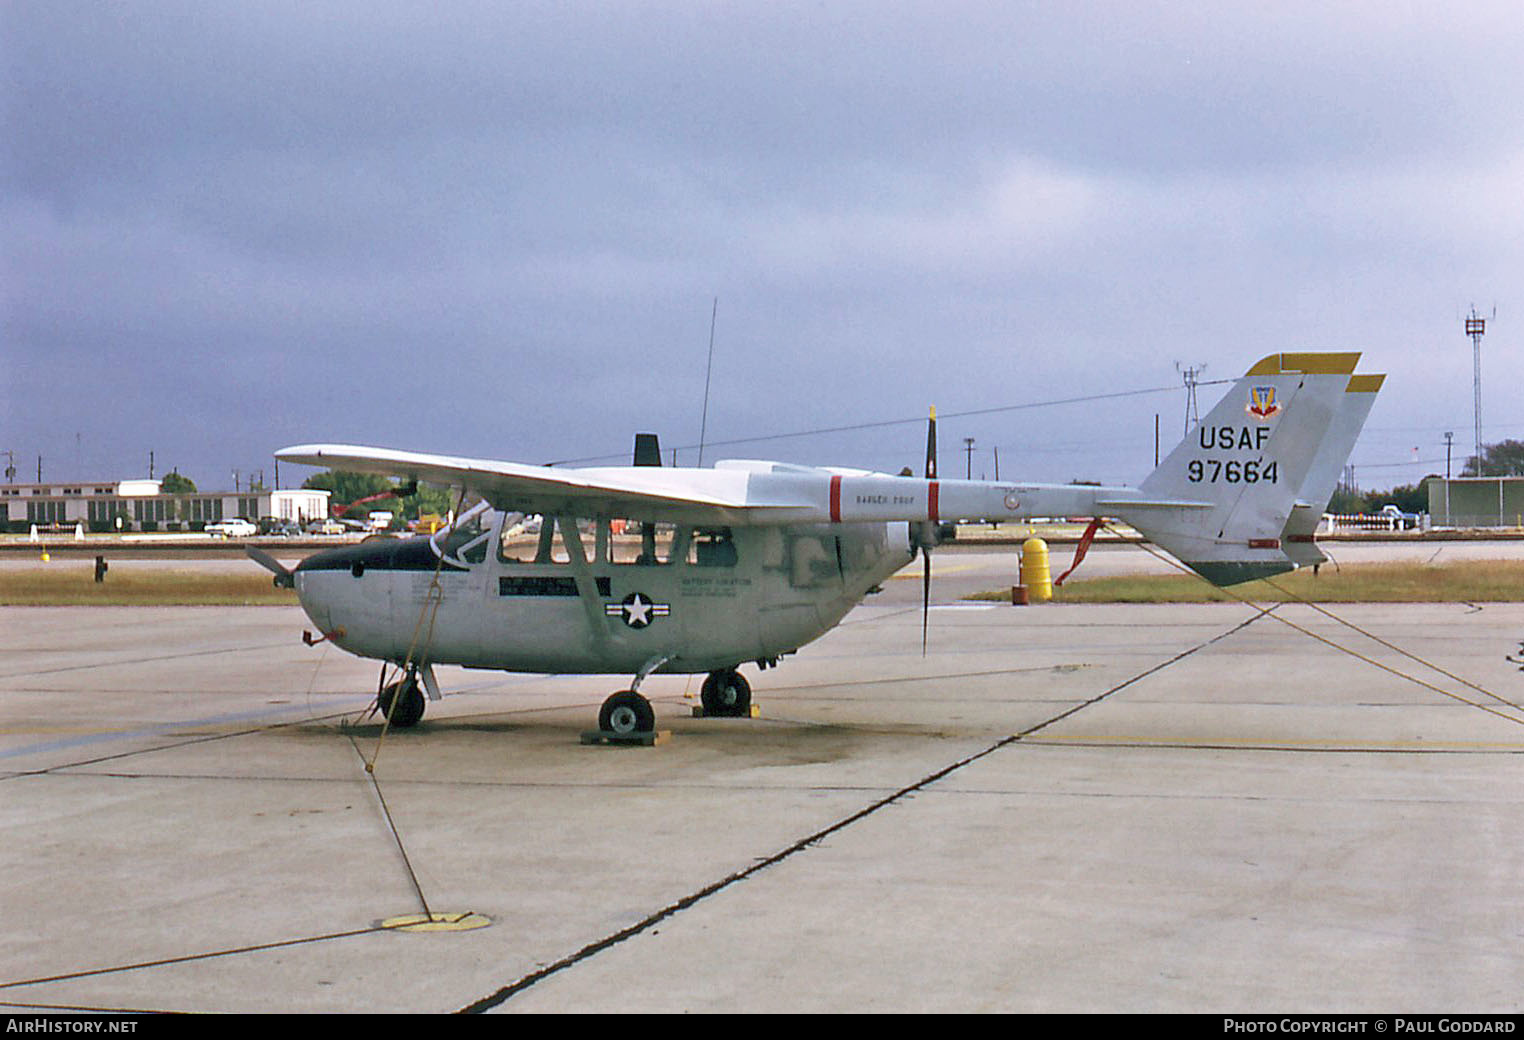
<point x="500" y="229"/>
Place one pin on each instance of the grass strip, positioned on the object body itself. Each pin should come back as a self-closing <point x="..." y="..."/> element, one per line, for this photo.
<point x="75" y="586"/>
<point x="1470" y="581"/>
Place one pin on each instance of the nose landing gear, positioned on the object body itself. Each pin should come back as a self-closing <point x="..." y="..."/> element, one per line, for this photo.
<point x="402" y="702"/>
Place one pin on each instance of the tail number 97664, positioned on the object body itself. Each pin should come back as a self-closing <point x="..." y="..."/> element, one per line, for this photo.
<point x="1214" y="471"/>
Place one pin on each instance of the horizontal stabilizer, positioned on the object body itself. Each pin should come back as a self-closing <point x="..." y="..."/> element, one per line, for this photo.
<point x="1105" y="505"/>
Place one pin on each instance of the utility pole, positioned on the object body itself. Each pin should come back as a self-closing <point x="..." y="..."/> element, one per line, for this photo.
<point x="968" y="446"/>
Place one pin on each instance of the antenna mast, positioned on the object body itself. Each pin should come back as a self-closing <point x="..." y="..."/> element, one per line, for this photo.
<point x="1476" y="327"/>
<point x="708" y="369"/>
<point x="1191" y="375"/>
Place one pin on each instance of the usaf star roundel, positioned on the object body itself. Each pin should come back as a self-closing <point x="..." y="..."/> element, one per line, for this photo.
<point x="637" y="610"/>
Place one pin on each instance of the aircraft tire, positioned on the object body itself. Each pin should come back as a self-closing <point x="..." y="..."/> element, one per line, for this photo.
<point x="626" y="712"/>
<point x="410" y="706"/>
<point x="726" y="694"/>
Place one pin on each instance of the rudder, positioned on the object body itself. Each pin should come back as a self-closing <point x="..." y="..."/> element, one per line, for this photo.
<point x="1297" y="540"/>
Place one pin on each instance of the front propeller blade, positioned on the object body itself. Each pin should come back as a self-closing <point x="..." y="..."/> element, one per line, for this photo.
<point x="283" y="576"/>
<point x="925" y="594"/>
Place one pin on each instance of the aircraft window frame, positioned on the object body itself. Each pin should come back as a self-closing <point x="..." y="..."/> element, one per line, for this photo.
<point x="662" y="542"/>
<point x="522" y="533"/>
<point x="562" y="550"/>
<point x="550" y="545"/>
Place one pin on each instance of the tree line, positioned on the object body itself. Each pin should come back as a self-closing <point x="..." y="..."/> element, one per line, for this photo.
<point x="349" y="489"/>
<point x="1504" y="459"/>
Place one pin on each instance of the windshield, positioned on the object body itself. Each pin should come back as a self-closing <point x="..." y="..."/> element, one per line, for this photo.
<point x="465" y="541"/>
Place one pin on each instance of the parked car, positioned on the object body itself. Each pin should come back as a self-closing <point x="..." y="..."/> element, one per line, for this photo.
<point x="325" y="527"/>
<point x="1400" y="520"/>
<point x="237" y="527"/>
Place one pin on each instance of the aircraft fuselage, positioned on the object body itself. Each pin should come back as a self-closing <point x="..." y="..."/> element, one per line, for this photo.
<point x="597" y="596"/>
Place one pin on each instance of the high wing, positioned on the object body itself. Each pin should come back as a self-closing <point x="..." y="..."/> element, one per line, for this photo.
<point x="724" y="495"/>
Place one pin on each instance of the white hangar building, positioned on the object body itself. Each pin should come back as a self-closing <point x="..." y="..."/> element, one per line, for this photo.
<point x="142" y="505"/>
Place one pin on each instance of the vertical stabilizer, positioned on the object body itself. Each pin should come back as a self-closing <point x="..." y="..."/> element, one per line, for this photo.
<point x="1297" y="539"/>
<point x="1221" y="500"/>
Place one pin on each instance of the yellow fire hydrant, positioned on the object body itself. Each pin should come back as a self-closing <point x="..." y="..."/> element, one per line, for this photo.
<point x="1035" y="576"/>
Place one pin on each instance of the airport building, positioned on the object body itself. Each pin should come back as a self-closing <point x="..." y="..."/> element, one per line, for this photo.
<point x="142" y="505"/>
<point x="1477" y="502"/>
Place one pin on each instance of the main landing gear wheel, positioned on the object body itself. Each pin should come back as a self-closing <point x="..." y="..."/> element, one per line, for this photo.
<point x="626" y="713"/>
<point x="407" y="695"/>
<point x="726" y="694"/>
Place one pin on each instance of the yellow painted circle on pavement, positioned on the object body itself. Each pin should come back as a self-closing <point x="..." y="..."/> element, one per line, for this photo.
<point x="437" y="922"/>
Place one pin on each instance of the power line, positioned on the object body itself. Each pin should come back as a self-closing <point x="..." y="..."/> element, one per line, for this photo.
<point x="1192" y="376"/>
<point x="1399" y="465"/>
<point x="886" y="423"/>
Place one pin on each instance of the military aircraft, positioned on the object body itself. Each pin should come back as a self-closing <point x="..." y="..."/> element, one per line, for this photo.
<point x="644" y="569"/>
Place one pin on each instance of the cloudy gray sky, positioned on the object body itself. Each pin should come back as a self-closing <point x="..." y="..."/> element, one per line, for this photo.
<point x="499" y="229"/>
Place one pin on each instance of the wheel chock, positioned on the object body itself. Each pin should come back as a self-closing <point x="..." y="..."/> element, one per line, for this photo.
<point x="646" y="738"/>
<point x="752" y="712"/>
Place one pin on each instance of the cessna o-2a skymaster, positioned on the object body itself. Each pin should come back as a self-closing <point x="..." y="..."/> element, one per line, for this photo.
<point x="643" y="569"/>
